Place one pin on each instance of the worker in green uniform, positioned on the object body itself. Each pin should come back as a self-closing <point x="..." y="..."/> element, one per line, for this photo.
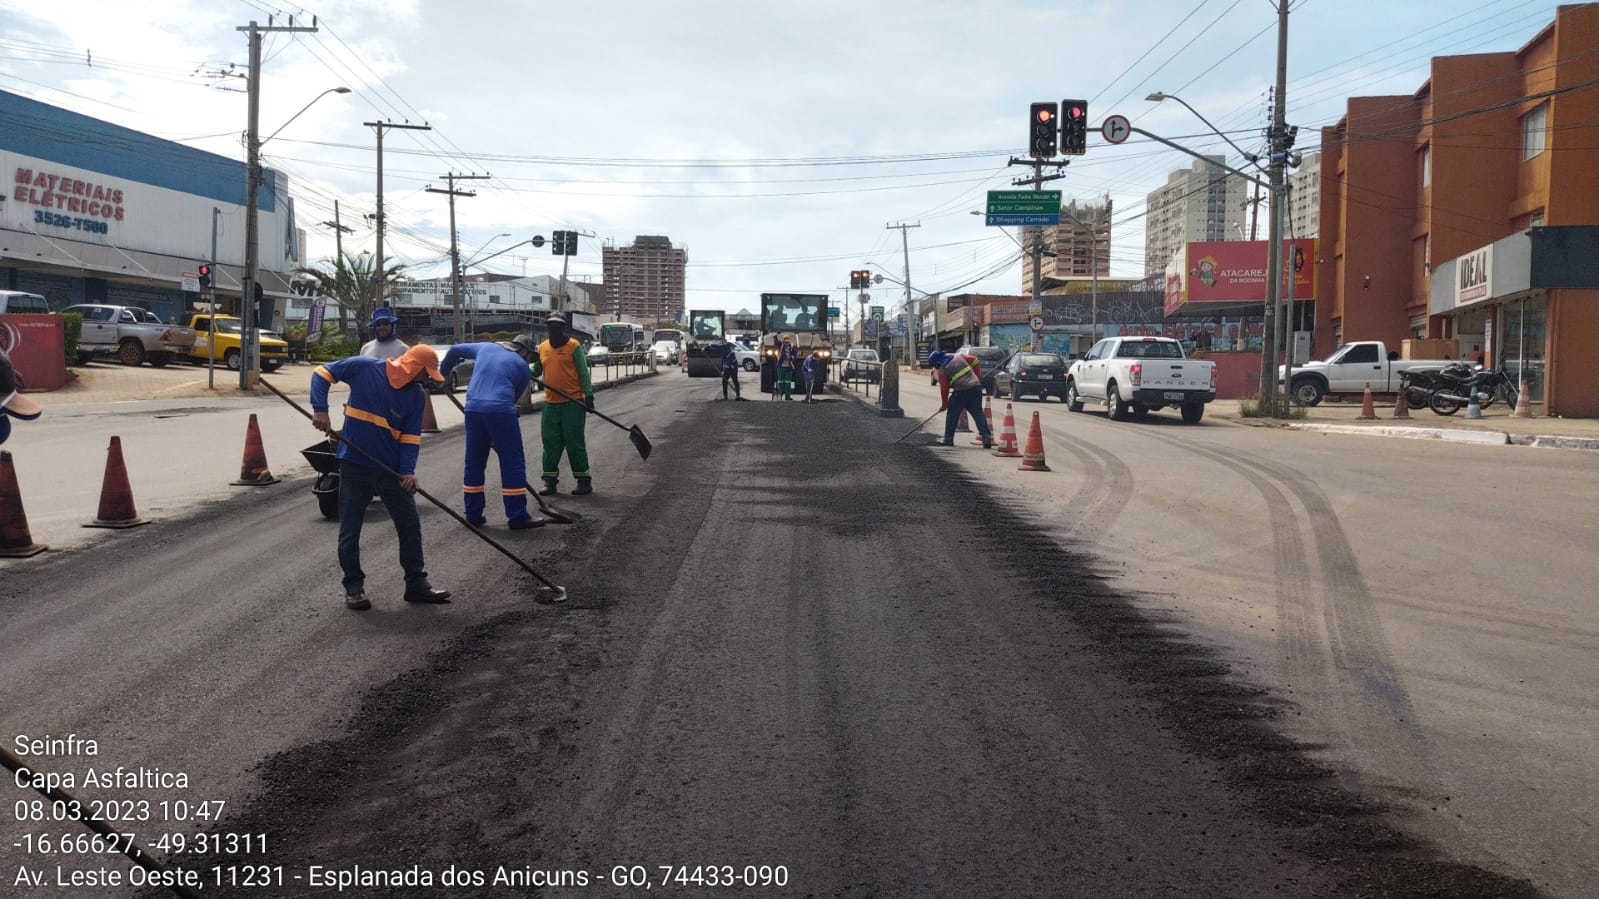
<point x="562" y="367"/>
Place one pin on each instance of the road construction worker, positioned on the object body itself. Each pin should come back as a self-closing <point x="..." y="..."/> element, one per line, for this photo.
<point x="499" y="375"/>
<point x="568" y="398"/>
<point x="385" y="343"/>
<point x="960" y="386"/>
<point x="383" y="422"/>
<point x="13" y="403"/>
<point x="813" y="373"/>
<point x="729" y="368"/>
<point x="787" y="364"/>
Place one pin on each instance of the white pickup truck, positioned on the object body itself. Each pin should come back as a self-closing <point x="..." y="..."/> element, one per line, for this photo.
<point x="1350" y="369"/>
<point x="1133" y="376"/>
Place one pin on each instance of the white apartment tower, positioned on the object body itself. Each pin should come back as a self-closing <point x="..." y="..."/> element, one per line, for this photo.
<point x="1202" y="203"/>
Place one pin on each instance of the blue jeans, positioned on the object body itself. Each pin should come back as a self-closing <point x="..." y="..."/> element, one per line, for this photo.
<point x="972" y="401"/>
<point x="357" y="485"/>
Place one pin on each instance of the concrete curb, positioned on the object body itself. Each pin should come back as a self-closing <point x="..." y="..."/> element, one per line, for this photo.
<point x="1576" y="443"/>
<point x="1491" y="438"/>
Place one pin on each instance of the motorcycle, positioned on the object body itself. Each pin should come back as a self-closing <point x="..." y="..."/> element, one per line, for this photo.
<point x="1485" y="384"/>
<point x="1418" y="384"/>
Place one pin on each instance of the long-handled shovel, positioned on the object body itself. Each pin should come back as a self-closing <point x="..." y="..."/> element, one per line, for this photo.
<point x="918" y="427"/>
<point x="549" y="511"/>
<point x="640" y="442"/>
<point x="558" y="592"/>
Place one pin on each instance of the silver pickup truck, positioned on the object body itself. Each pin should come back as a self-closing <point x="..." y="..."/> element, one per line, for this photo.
<point x="132" y="334"/>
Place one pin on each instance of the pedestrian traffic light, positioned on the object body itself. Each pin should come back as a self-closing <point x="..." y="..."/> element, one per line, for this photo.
<point x="1041" y="121"/>
<point x="205" y="275"/>
<point x="1074" y="127"/>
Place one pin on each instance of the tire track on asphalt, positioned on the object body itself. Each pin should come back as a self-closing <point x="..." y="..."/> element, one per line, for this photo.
<point x="1363" y="665"/>
<point x="1107" y="486"/>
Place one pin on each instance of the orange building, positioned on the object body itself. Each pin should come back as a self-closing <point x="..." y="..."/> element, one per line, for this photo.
<point x="1470" y="210"/>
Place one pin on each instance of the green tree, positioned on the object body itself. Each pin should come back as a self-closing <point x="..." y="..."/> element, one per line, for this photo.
<point x="350" y="282"/>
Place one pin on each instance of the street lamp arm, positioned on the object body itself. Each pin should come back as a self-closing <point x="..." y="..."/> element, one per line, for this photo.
<point x="495" y="253"/>
<point x="331" y="90"/>
<point x="1157" y="96"/>
<point x="1175" y="146"/>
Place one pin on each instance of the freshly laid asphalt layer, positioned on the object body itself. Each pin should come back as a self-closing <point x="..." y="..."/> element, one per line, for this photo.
<point x="806" y="647"/>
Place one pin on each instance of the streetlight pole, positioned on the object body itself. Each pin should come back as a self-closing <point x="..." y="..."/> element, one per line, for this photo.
<point x="379" y="277"/>
<point x="248" y="338"/>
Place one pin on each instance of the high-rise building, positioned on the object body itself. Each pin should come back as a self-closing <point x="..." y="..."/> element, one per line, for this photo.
<point x="1079" y="247"/>
<point x="1202" y="203"/>
<point x="643" y="282"/>
<point x="1304" y="198"/>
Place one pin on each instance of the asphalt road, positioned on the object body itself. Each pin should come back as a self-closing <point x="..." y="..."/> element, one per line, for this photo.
<point x="796" y="650"/>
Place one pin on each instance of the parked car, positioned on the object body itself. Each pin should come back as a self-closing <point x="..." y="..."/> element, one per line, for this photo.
<point x="133" y="334"/>
<point x="1043" y="374"/>
<point x="17" y="302"/>
<point x="862" y="364"/>
<point x="989" y="360"/>
<point x="667" y="352"/>
<point x="749" y="358"/>
<point x="459" y="376"/>
<point x="1350" y="369"/>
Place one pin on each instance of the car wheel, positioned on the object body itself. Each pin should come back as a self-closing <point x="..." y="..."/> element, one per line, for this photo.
<point x="1072" y="400"/>
<point x="1119" y="410"/>
<point x="1193" y="412"/>
<point x="1140" y="411"/>
<point x="159" y="360"/>
<point x="231" y="359"/>
<point x="1308" y="391"/>
<point x="749" y="365"/>
<point x="131" y="352"/>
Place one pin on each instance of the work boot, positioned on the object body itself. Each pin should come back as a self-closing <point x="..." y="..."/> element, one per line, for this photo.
<point x="584" y="487"/>
<point x="523" y="524"/>
<point x="946" y="443"/>
<point x="426" y="594"/>
<point x="356" y="602"/>
<point x="988" y="443"/>
<point x="549" y="488"/>
<point x="477" y="520"/>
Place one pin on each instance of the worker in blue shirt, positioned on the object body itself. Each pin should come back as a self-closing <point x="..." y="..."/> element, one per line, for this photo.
<point x="499" y="375"/>
<point x="729" y="368"/>
<point x="812" y="368"/>
<point x="383" y="418"/>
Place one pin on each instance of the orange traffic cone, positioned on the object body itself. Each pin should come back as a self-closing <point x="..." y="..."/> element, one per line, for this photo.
<point x="1401" y="407"/>
<point x="988" y="418"/>
<point x="116" y="498"/>
<point x="254" y="471"/>
<point x="15" y="540"/>
<point x="1367" y="411"/>
<point x="430" y="425"/>
<point x="1033" y="459"/>
<point x="1523" y="404"/>
<point x="1007" y="435"/>
<point x="962" y="425"/>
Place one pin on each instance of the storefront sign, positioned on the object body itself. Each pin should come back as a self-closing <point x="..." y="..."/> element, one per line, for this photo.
<point x="1474" y="276"/>
<point x="1235" y="272"/>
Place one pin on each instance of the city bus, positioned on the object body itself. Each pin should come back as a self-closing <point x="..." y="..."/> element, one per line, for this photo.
<point x="624" y="341"/>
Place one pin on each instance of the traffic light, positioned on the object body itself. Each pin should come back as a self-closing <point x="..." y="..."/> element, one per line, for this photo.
<point x="1074" y="127"/>
<point x="205" y="275"/>
<point x="571" y="243"/>
<point x="860" y="280"/>
<point x="1041" y="121"/>
<point x="557" y="243"/>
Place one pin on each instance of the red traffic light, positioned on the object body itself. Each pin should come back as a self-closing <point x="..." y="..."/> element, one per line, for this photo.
<point x="1044" y="115"/>
<point x="1075" y="112"/>
<point x="205" y="270"/>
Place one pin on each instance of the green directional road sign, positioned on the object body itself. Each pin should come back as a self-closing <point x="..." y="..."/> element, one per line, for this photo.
<point x="1024" y="202"/>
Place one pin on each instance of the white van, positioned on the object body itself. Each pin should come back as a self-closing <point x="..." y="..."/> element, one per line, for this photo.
<point x="20" y="303"/>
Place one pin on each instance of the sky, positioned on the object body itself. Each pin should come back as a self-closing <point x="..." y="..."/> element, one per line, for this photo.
<point x="777" y="142"/>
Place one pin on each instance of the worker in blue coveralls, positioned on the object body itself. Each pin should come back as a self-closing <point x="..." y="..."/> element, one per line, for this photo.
<point x="383" y="420"/>
<point x="729" y="368"/>
<point x="499" y="375"/>
<point x="812" y="368"/>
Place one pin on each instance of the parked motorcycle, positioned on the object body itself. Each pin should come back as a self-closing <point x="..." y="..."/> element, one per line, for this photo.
<point x="1486" y="384"/>
<point x="1417" y="384"/>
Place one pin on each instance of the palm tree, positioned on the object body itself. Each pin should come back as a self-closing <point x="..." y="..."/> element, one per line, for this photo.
<point x="351" y="282"/>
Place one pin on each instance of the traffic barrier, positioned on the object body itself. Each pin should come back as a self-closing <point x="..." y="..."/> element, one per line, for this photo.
<point x="1033" y="458"/>
<point x="15" y="540"/>
<point x="430" y="425"/>
<point x="116" y="497"/>
<point x="963" y="424"/>
<point x="1007" y="435"/>
<point x="1367" y="410"/>
<point x="1473" y="406"/>
<point x="254" y="471"/>
<point x="1523" y="403"/>
<point x="988" y="419"/>
<point x="1401" y="408"/>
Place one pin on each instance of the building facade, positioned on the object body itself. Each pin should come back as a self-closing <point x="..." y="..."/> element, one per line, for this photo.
<point x="644" y="281"/>
<point x="1197" y="204"/>
<point x="1304" y="199"/>
<point x="1468" y="210"/>
<point x="1079" y="247"/>
<point x="96" y="213"/>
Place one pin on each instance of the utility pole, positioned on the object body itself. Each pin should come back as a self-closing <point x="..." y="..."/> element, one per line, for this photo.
<point x="378" y="278"/>
<point x="1279" y="142"/>
<point x="249" y="338"/>
<point x="904" y="239"/>
<point x="211" y="309"/>
<point x="339" y="230"/>
<point x="455" y="250"/>
<point x="1036" y="306"/>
